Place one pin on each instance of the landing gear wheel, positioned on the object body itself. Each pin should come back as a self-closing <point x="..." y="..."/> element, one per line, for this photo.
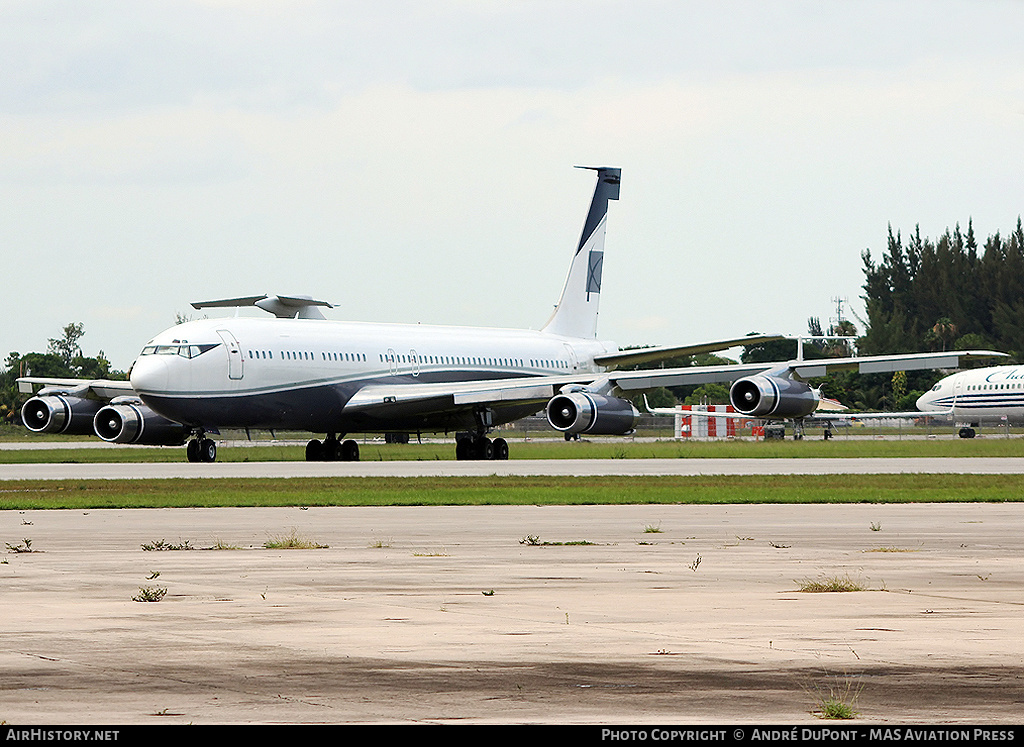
<point x="192" y="450"/>
<point x="207" y="450"/>
<point x="480" y="448"/>
<point x="484" y="449"/>
<point x="330" y="451"/>
<point x="966" y="433"/>
<point x="314" y="451"/>
<point x="349" y="451"/>
<point x="500" y="449"/>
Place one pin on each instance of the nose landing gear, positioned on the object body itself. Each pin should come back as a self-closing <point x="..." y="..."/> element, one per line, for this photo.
<point x="201" y="449"/>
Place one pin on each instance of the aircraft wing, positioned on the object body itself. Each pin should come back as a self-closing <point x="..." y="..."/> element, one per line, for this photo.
<point x="801" y="370"/>
<point x="816" y="415"/>
<point x="380" y="399"/>
<point x="910" y="414"/>
<point x="99" y="389"/>
<point x="645" y="355"/>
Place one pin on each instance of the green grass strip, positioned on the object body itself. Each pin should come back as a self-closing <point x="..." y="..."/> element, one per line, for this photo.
<point x="553" y="449"/>
<point x="474" y="491"/>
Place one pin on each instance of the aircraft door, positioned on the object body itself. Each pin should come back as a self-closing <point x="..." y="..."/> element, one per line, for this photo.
<point x="235" y="370"/>
<point x="574" y="362"/>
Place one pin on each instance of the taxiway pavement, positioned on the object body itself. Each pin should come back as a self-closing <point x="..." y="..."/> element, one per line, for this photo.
<point x="636" y="614"/>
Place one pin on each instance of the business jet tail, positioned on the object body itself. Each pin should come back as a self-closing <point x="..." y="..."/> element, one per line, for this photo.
<point x="576" y="312"/>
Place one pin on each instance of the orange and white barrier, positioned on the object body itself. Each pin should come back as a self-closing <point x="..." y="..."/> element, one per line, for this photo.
<point x="696" y="426"/>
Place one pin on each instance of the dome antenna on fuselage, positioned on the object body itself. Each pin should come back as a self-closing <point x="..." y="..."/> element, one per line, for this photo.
<point x="283" y="307"/>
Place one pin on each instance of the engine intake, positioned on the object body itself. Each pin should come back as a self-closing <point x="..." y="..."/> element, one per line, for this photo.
<point x="770" y="396"/>
<point x="581" y="412"/>
<point x="134" y="423"/>
<point x="59" y="413"/>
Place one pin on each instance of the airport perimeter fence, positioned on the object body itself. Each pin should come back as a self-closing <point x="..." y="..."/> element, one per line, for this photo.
<point x="663" y="427"/>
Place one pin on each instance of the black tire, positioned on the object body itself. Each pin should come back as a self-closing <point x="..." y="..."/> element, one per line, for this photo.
<point x="500" y="449"/>
<point x="314" y="451"/>
<point x="463" y="449"/>
<point x="208" y="450"/>
<point x="349" y="451"/>
<point x="192" y="450"/>
<point x="483" y="449"/>
<point x="331" y="450"/>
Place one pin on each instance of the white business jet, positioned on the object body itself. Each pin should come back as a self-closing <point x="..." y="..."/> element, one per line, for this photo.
<point x="972" y="398"/>
<point x="296" y="370"/>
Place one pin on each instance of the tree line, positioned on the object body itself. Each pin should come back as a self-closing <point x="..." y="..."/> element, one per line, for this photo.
<point x="63" y="359"/>
<point x="945" y="293"/>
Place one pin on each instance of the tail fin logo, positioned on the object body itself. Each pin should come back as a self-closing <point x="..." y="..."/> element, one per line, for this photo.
<point x="595" y="265"/>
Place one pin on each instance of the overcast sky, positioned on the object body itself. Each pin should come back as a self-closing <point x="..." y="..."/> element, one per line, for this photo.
<point x="413" y="161"/>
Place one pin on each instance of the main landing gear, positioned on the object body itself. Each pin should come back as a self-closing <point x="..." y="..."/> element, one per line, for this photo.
<point x="966" y="432"/>
<point x="201" y="449"/>
<point x="331" y="449"/>
<point x="468" y="447"/>
<point x="475" y="445"/>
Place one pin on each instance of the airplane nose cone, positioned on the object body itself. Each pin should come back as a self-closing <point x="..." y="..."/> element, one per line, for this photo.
<point x="149" y="374"/>
<point x="924" y="402"/>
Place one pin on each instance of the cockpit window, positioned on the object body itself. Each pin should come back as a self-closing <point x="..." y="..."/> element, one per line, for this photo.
<point x="185" y="351"/>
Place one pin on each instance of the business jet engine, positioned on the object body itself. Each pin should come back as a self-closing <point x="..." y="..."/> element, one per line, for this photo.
<point x="59" y="412"/>
<point x="582" y="412"/>
<point x="128" y="421"/>
<point x="774" y="397"/>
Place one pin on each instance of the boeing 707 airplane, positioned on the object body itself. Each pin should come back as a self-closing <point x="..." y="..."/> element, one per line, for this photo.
<point x="297" y="370"/>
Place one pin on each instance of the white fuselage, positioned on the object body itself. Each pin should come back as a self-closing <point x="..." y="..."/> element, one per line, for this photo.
<point x="975" y="396"/>
<point x="300" y="373"/>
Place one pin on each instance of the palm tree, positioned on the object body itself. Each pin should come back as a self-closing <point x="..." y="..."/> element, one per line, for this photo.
<point x="945" y="331"/>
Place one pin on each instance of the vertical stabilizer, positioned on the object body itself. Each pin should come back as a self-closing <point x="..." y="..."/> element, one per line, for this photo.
<point x="576" y="313"/>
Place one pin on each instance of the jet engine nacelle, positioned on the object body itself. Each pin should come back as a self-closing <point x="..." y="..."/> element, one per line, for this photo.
<point x="581" y="412"/>
<point x="60" y="413"/>
<point x="134" y="423"/>
<point x="770" y="396"/>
